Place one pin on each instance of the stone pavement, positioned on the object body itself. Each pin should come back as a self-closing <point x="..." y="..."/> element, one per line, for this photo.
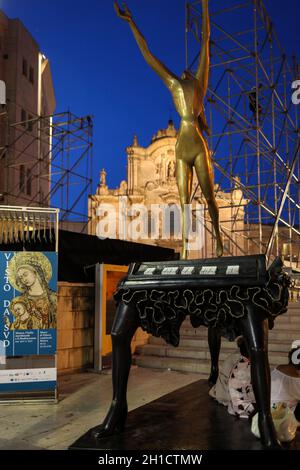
<point x="83" y="402"/>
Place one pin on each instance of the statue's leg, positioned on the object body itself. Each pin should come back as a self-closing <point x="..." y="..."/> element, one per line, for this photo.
<point x="214" y="343"/>
<point x="255" y="331"/>
<point x="205" y="177"/>
<point x="124" y="327"/>
<point x="184" y="177"/>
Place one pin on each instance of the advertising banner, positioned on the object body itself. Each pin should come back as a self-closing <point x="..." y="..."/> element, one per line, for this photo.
<point x="28" y="303"/>
<point x="28" y="379"/>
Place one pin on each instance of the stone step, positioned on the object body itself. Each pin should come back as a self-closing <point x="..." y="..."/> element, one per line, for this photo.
<point x="290" y="334"/>
<point x="201" y="332"/>
<point x="192" y="355"/>
<point x="194" y="343"/>
<point x="294" y="306"/>
<point x="288" y="320"/>
<point x="285" y="318"/>
<point x="276" y="334"/>
<point x="202" y="354"/>
<point x="179" y="364"/>
<point x="281" y="319"/>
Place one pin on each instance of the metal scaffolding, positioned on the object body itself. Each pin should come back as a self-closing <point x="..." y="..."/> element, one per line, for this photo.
<point x="72" y="172"/>
<point x="254" y="124"/>
<point x="58" y="151"/>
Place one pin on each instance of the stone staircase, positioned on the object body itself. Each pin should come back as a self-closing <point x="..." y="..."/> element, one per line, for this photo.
<point x="192" y="354"/>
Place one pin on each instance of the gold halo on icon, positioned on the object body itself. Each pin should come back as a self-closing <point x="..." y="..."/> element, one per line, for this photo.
<point x="29" y="260"/>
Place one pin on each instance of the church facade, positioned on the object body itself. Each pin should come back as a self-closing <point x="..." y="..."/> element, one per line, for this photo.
<point x="145" y="207"/>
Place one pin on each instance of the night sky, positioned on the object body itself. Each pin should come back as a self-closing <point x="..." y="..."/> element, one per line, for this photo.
<point x="98" y="69"/>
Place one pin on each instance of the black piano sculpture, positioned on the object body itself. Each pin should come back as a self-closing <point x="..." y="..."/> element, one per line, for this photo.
<point x="231" y="296"/>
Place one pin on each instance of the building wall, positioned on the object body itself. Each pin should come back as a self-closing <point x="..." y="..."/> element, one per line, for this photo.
<point x="75" y="327"/>
<point x="29" y="95"/>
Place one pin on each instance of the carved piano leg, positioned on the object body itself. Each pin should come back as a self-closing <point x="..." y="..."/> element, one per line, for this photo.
<point x="214" y="343"/>
<point x="255" y="331"/>
<point x="124" y="327"/>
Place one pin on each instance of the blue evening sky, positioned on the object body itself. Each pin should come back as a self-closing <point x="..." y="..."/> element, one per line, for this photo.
<point x="98" y="69"/>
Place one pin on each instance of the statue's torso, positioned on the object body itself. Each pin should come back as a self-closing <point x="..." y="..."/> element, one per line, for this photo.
<point x="188" y="100"/>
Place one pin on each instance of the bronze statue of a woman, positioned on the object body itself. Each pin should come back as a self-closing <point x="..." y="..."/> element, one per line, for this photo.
<point x="192" y="150"/>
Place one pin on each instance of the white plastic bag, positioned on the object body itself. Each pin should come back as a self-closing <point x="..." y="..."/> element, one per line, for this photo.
<point x="284" y="420"/>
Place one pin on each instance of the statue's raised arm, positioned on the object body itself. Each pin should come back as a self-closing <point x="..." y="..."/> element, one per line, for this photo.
<point x="191" y="147"/>
<point x="164" y="73"/>
<point x="203" y="67"/>
<point x="125" y="14"/>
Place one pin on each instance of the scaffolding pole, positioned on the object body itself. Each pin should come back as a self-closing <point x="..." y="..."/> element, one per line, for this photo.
<point x="48" y="162"/>
<point x="254" y="125"/>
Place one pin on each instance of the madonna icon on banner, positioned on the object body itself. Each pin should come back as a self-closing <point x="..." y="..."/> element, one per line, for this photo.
<point x="29" y="302"/>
